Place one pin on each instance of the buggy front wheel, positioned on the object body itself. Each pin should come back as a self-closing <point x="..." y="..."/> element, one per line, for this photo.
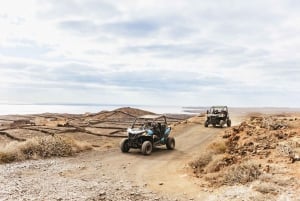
<point x="170" y="143"/>
<point x="124" y="146"/>
<point x="147" y="148"/>
<point x="228" y="123"/>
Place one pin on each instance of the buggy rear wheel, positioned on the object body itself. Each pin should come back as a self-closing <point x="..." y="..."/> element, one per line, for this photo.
<point x="124" y="146"/>
<point x="147" y="148"/>
<point x="206" y="124"/>
<point x="170" y="143"/>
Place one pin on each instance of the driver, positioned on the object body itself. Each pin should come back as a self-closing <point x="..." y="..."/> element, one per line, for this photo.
<point x="147" y="125"/>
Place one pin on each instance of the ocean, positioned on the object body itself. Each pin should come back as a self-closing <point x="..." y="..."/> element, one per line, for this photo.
<point x="10" y="109"/>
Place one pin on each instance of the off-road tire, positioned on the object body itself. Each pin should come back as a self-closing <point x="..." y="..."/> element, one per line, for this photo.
<point x="206" y="124"/>
<point x="222" y="123"/>
<point x="170" y="143"/>
<point x="124" y="146"/>
<point x="228" y="123"/>
<point x="147" y="148"/>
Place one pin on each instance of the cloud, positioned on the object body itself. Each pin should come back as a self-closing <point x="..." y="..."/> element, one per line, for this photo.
<point x="80" y="26"/>
<point x="138" y="28"/>
<point x="25" y="50"/>
<point x="194" y="52"/>
<point x="69" y="8"/>
<point x="190" y="49"/>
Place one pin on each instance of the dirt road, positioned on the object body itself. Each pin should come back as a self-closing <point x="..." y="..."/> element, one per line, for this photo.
<point x="111" y="175"/>
<point x="165" y="170"/>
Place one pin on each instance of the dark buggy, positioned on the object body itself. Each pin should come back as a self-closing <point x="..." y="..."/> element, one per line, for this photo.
<point x="146" y="132"/>
<point x="218" y="116"/>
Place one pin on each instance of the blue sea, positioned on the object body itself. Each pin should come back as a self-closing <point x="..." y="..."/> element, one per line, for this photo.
<point x="10" y="109"/>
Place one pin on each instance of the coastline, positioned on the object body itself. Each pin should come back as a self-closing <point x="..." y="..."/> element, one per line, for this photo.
<point x="27" y="109"/>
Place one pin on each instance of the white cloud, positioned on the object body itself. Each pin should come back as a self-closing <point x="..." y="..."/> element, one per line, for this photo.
<point x="148" y="52"/>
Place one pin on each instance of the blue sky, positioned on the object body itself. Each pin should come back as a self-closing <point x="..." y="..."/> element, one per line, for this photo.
<point x="189" y="52"/>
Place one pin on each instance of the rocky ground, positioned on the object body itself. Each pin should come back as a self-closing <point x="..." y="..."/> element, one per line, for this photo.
<point x="256" y="160"/>
<point x="83" y="177"/>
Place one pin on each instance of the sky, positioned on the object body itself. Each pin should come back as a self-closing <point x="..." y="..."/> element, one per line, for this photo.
<point x="171" y="52"/>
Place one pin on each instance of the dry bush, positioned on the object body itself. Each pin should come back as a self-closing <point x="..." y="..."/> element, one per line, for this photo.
<point x="218" y="147"/>
<point x="241" y="173"/>
<point x="289" y="149"/>
<point x="219" y="162"/>
<point x="214" y="179"/>
<point x="46" y="147"/>
<point x="7" y="157"/>
<point x="201" y="162"/>
<point x="41" y="147"/>
<point x="216" y="164"/>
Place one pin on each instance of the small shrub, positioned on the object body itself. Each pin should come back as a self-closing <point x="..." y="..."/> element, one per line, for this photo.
<point x="219" y="162"/>
<point x="214" y="179"/>
<point x="201" y="162"/>
<point x="46" y="147"/>
<point x="218" y="147"/>
<point x="241" y="173"/>
<point x="42" y="147"/>
<point x="216" y="164"/>
<point x="7" y="157"/>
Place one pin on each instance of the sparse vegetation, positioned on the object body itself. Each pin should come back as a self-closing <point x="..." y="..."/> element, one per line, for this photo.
<point x="218" y="147"/>
<point x="41" y="147"/>
<point x="242" y="173"/>
<point x="216" y="164"/>
<point x="201" y="162"/>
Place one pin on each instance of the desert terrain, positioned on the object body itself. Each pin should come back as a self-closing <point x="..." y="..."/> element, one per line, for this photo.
<point x="77" y="157"/>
